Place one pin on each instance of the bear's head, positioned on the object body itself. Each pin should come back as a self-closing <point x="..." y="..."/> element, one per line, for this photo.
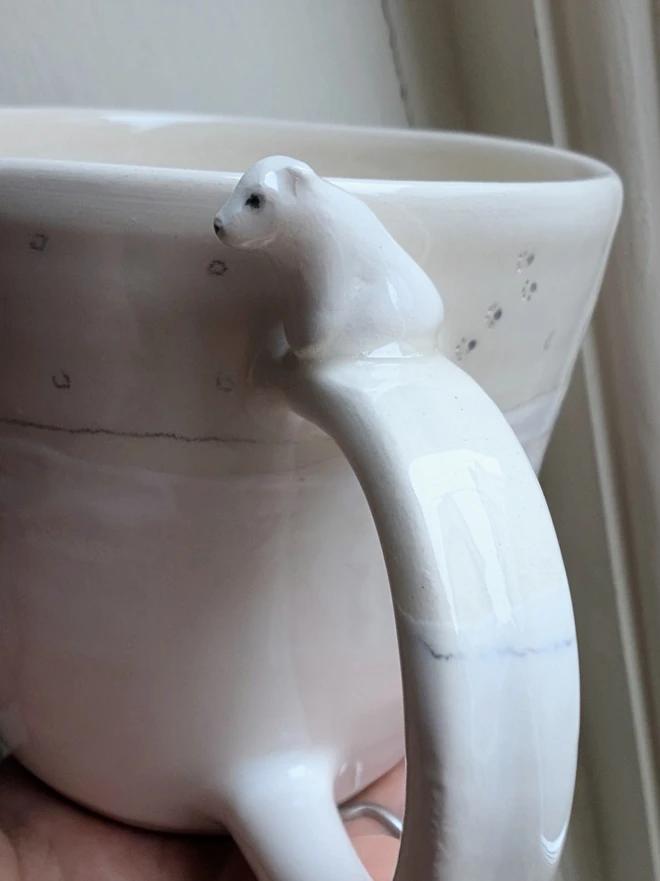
<point x="265" y="201"/>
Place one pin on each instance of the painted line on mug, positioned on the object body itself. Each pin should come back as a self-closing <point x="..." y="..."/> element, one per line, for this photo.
<point x="139" y="435"/>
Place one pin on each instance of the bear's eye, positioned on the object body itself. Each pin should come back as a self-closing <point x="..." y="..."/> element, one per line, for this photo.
<point x="254" y="201"/>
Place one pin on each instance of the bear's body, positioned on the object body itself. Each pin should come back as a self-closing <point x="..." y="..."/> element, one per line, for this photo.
<point x="353" y="290"/>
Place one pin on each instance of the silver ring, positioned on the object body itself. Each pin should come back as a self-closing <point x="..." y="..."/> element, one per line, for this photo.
<point x="387" y="819"/>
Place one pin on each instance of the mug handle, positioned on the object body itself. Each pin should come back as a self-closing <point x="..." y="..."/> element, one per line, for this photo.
<point x="482" y="607"/>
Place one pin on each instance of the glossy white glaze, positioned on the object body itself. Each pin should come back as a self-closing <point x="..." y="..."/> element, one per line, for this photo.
<point x="483" y="614"/>
<point x="195" y="628"/>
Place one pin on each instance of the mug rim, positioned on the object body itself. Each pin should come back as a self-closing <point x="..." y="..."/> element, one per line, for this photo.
<point x="565" y="167"/>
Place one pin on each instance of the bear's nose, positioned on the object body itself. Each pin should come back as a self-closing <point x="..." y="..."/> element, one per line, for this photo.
<point x="218" y="227"/>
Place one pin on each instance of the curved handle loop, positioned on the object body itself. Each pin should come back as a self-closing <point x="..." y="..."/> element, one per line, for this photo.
<point x="482" y="607"/>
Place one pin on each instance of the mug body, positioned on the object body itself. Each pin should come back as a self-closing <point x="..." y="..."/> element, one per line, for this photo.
<point x="190" y="579"/>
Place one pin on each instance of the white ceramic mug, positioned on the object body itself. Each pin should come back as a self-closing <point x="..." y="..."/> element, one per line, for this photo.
<point x="195" y="623"/>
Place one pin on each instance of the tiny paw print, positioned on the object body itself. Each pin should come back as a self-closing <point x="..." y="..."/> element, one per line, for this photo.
<point x="525" y="259"/>
<point x="61" y="380"/>
<point x="224" y="383"/>
<point x="216" y="267"/>
<point x="464" y="347"/>
<point x="529" y="289"/>
<point x="38" y="242"/>
<point x="494" y="315"/>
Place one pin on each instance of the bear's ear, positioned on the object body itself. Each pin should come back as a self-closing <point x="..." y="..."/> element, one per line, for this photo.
<point x="301" y="176"/>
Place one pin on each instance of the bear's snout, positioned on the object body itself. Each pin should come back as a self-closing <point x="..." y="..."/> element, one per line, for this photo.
<point x="219" y="228"/>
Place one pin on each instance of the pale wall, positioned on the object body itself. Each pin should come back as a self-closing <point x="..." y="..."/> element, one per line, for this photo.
<point x="300" y="59"/>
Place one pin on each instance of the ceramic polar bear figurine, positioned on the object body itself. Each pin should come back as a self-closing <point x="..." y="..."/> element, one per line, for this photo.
<point x="355" y="289"/>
